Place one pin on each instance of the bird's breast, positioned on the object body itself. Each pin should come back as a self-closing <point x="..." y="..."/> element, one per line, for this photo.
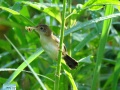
<point x="50" y="47"/>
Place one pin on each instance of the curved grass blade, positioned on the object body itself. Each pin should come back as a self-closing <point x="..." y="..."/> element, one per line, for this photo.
<point x="79" y="26"/>
<point x="23" y="65"/>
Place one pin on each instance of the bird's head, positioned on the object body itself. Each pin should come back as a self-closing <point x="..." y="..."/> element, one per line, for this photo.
<point x="41" y="29"/>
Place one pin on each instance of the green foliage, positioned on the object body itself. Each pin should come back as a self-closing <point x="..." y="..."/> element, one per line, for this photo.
<point x="91" y="35"/>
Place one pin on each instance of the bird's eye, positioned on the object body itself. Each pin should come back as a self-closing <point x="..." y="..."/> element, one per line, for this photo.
<point x="41" y="28"/>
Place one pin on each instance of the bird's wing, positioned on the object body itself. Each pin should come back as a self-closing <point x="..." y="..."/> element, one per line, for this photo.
<point x="57" y="40"/>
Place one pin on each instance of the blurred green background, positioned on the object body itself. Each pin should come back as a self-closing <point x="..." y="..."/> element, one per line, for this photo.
<point x="82" y="35"/>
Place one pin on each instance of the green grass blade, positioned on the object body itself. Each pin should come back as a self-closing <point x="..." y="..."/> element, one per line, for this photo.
<point x="116" y="72"/>
<point x="103" y="39"/>
<point x="79" y="26"/>
<point x="52" y="11"/>
<point x="74" y="87"/>
<point x="87" y="39"/>
<point x="14" y="69"/>
<point x="26" y="64"/>
<point x="16" y="14"/>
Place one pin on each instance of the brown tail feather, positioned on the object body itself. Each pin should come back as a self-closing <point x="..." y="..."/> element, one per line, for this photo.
<point x="70" y="61"/>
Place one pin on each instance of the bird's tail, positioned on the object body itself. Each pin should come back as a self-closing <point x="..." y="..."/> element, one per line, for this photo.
<point x="72" y="63"/>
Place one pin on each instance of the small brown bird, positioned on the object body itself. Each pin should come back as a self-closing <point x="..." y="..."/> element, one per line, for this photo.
<point x="50" y="44"/>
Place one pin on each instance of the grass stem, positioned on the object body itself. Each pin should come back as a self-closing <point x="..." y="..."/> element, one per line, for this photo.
<point x="57" y="77"/>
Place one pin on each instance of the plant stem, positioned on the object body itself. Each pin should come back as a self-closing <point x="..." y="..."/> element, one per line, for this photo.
<point x="57" y="76"/>
<point x="69" y="26"/>
<point x="103" y="39"/>
<point x="69" y="48"/>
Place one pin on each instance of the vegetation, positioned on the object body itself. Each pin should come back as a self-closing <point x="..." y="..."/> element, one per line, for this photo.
<point x="90" y="31"/>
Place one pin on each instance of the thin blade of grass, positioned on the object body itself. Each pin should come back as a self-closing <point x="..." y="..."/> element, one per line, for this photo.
<point x="79" y="26"/>
<point x="87" y="39"/>
<point x="16" y="14"/>
<point x="103" y="39"/>
<point x="27" y="64"/>
<point x="14" y="69"/>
